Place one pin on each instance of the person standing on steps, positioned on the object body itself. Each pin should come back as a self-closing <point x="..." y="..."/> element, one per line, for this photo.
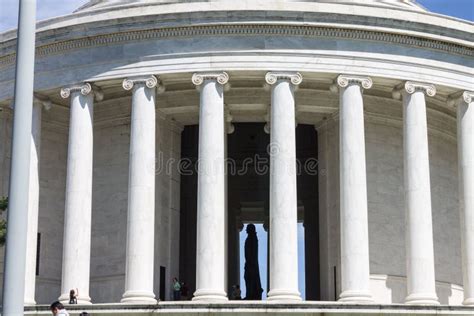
<point x="176" y="290"/>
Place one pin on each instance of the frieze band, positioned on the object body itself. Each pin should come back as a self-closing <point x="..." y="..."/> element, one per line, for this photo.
<point x="212" y="30"/>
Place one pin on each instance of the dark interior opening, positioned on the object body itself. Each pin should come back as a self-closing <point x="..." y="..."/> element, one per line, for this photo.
<point x="248" y="197"/>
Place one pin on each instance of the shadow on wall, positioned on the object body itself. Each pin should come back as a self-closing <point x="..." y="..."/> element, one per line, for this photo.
<point x="395" y="290"/>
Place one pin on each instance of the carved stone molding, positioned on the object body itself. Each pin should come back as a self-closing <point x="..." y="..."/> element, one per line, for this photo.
<point x="272" y="77"/>
<point x="199" y="77"/>
<point x="242" y="30"/>
<point x="149" y="81"/>
<point x="411" y="87"/>
<point x="345" y="80"/>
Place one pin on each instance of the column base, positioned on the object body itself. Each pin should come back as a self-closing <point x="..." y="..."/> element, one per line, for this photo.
<point x="210" y="296"/>
<point x="138" y="297"/>
<point x="30" y="302"/>
<point x="422" y="299"/>
<point x="468" y="301"/>
<point x="284" y="295"/>
<point x="81" y="300"/>
<point x="355" y="297"/>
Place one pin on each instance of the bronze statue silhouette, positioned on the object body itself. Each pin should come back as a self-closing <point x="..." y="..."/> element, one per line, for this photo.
<point x="252" y="274"/>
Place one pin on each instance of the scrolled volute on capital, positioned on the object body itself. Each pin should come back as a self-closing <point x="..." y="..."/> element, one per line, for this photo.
<point x="468" y="96"/>
<point x="272" y="77"/>
<point x="345" y="80"/>
<point x="84" y="89"/>
<point x="149" y="81"/>
<point x="45" y="102"/>
<point x="199" y="77"/>
<point x="412" y="86"/>
<point x="457" y="98"/>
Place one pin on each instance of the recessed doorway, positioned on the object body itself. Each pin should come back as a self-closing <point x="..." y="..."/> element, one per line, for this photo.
<point x="248" y="202"/>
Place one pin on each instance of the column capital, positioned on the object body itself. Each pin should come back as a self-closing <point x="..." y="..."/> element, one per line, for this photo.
<point x="272" y="77"/>
<point x="411" y="87"/>
<point x="84" y="88"/>
<point x="460" y="97"/>
<point x="468" y="96"/>
<point x="267" y="117"/>
<point x="199" y="77"/>
<point x="42" y="101"/>
<point x="149" y="81"/>
<point x="344" y="81"/>
<point x="228" y="118"/>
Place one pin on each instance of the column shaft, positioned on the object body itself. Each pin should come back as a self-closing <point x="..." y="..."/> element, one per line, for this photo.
<point x="419" y="231"/>
<point x="141" y="195"/>
<point x="210" y="251"/>
<point x="17" y="221"/>
<point x="283" y="195"/>
<point x="466" y="191"/>
<point x="33" y="204"/>
<point x="77" y="217"/>
<point x="355" y="282"/>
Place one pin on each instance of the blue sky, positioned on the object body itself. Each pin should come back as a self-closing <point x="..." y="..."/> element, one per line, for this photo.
<point x="463" y="9"/>
<point x="50" y="8"/>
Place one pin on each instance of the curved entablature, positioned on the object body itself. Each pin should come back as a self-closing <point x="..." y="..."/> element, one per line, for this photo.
<point x="403" y="4"/>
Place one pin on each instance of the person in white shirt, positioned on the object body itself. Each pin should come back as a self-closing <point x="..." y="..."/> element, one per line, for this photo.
<point x="58" y="309"/>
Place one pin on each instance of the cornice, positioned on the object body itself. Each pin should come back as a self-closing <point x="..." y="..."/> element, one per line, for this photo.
<point x="242" y="30"/>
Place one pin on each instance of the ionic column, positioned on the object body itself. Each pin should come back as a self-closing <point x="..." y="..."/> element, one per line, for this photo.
<point x="33" y="201"/>
<point x="355" y="278"/>
<point x="283" y="199"/>
<point x="77" y="217"/>
<point x="141" y="193"/>
<point x="210" y="251"/>
<point x="421" y="286"/>
<point x="17" y="216"/>
<point x="465" y="117"/>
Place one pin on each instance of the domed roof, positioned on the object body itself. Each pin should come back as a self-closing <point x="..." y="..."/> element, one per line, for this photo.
<point x="401" y="4"/>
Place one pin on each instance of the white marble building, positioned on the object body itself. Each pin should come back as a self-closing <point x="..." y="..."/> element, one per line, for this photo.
<point x="380" y="92"/>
